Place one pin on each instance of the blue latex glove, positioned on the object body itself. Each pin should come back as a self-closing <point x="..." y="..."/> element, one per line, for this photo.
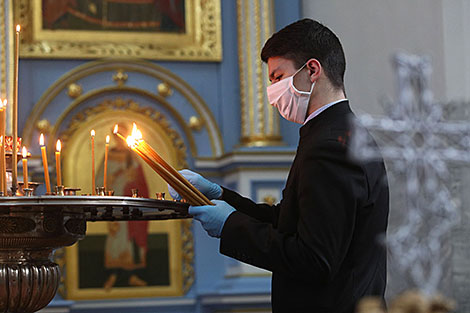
<point x="209" y="189"/>
<point x="212" y="217"/>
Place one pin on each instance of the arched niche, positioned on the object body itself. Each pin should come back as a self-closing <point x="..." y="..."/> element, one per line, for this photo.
<point x="148" y="84"/>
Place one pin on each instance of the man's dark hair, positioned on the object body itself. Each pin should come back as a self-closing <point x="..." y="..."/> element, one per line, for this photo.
<point x="306" y="39"/>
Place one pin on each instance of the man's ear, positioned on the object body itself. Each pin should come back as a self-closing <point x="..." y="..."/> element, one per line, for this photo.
<point x="314" y="69"/>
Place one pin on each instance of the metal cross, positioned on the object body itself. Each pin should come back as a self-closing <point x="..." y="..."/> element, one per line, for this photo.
<point x="419" y="145"/>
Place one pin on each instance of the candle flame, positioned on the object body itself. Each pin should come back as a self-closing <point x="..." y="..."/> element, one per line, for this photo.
<point x="58" y="146"/>
<point x="1" y="105"/>
<point x="41" y="140"/>
<point x="116" y="128"/>
<point x="25" y="152"/>
<point x="131" y="141"/>
<point x="18" y="28"/>
<point x="135" y="137"/>
<point x="136" y="133"/>
<point x="5" y="102"/>
<point x="107" y="139"/>
<point x="92" y="133"/>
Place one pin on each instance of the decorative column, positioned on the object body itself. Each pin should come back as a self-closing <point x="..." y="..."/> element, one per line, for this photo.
<point x="260" y="120"/>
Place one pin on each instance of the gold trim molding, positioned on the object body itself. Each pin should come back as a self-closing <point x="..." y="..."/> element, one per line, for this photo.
<point x="174" y="82"/>
<point x="201" y="40"/>
<point x="125" y="107"/>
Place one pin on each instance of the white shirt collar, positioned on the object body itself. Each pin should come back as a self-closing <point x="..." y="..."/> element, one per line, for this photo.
<point x="321" y="109"/>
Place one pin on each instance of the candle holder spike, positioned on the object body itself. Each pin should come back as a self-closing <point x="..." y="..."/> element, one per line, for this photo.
<point x="59" y="190"/>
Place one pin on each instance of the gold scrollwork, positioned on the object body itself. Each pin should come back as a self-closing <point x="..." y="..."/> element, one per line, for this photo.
<point x="201" y="40"/>
<point x="129" y="106"/>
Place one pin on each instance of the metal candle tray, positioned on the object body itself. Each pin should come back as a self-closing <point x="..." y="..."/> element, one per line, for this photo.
<point x="100" y="208"/>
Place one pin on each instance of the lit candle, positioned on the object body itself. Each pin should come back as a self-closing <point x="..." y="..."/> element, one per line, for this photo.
<point x="14" y="171"/>
<point x="44" y="164"/>
<point x="165" y="170"/>
<point x="2" y="149"/>
<point x="93" y="162"/>
<point x="25" y="168"/>
<point x="57" y="163"/>
<point x="3" y="178"/>
<point x="105" y="177"/>
<point x="116" y="132"/>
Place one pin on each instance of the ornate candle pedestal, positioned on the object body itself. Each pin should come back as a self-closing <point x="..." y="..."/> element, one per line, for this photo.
<point x="31" y="228"/>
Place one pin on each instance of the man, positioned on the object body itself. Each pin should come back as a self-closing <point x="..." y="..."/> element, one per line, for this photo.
<point x="321" y="242"/>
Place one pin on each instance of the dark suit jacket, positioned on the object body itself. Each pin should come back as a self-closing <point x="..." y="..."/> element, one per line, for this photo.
<point x="321" y="242"/>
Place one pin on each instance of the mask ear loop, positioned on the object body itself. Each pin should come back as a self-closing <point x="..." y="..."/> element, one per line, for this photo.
<point x="301" y="91"/>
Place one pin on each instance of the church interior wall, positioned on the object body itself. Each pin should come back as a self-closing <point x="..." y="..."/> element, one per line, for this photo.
<point x="371" y="32"/>
<point x="216" y="287"/>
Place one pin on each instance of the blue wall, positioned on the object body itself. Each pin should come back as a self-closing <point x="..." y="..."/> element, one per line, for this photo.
<point x="218" y="84"/>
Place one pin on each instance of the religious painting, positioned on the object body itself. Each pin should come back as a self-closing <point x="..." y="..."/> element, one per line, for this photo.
<point x="126" y="258"/>
<point x="154" y="29"/>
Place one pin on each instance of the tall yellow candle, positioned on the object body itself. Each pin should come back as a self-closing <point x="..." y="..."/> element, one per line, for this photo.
<point x="44" y="164"/>
<point x="3" y="178"/>
<point x="14" y="171"/>
<point x="2" y="149"/>
<point x="3" y="169"/>
<point x="25" y="168"/>
<point x="57" y="163"/>
<point x="93" y="192"/>
<point x="105" y="177"/>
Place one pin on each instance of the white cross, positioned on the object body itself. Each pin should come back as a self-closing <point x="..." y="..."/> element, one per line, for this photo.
<point x="418" y="144"/>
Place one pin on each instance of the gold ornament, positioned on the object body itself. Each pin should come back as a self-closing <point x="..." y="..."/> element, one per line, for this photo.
<point x="120" y="77"/>
<point x="164" y="90"/>
<point x="44" y="126"/>
<point x="195" y="123"/>
<point x="74" y="90"/>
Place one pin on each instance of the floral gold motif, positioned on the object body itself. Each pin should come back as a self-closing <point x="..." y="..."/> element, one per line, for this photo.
<point x="120" y="77"/>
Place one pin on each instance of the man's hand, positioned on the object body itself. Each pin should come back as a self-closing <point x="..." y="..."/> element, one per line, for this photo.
<point x="212" y="217"/>
<point x="209" y="189"/>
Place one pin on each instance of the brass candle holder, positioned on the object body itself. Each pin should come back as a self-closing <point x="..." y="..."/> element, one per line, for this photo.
<point x="33" y="227"/>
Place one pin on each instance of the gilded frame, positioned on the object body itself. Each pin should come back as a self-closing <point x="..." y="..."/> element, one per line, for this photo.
<point x="201" y="40"/>
<point x="177" y="232"/>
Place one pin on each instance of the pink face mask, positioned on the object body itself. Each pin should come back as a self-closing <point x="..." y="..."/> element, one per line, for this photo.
<point x="291" y="103"/>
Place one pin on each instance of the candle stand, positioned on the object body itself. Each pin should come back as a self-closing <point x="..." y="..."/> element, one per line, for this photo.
<point x="31" y="228"/>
